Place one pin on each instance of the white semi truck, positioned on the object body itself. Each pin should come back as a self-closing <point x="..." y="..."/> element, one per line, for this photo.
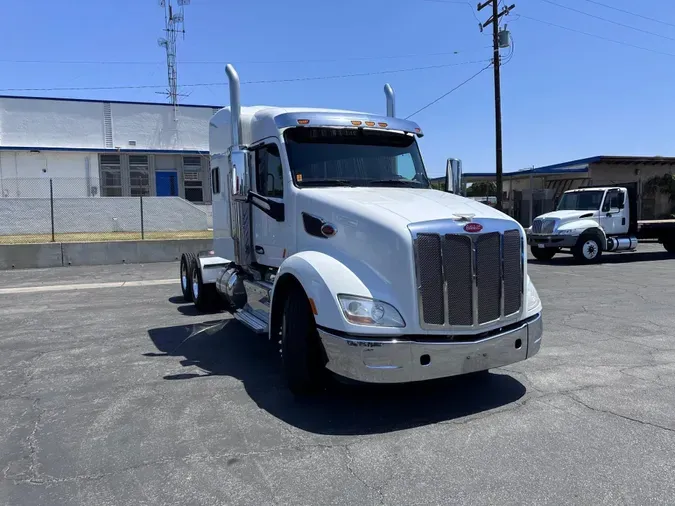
<point x="591" y="220"/>
<point x="329" y="240"/>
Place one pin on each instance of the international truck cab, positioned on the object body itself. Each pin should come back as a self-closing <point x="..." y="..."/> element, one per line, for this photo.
<point x="592" y="220"/>
<point x="330" y="241"/>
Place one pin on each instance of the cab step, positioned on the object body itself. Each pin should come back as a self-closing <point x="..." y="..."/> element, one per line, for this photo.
<point x="251" y="320"/>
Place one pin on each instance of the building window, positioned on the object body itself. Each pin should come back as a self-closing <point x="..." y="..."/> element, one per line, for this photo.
<point x="111" y="176"/>
<point x="139" y="175"/>
<point x="192" y="178"/>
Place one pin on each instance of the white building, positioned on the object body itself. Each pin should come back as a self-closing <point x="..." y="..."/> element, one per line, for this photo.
<point x="103" y="148"/>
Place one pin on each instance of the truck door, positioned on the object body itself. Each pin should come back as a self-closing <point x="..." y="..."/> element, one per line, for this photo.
<point x="269" y="224"/>
<point x="614" y="220"/>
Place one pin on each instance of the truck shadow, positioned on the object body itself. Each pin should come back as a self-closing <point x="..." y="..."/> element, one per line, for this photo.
<point x="608" y="258"/>
<point x="227" y="348"/>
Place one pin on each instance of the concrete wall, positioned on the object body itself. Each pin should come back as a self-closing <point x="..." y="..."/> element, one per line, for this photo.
<point x="114" y="214"/>
<point x="153" y="127"/>
<point x="36" y="122"/>
<point x="26" y="174"/>
<point x="27" y="256"/>
<point x="51" y="123"/>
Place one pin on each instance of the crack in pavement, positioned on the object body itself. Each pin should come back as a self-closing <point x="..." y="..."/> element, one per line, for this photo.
<point x="350" y="460"/>
<point x="46" y="479"/>
<point x="619" y="415"/>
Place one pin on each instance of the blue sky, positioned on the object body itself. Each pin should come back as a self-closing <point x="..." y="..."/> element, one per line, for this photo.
<point x="565" y="95"/>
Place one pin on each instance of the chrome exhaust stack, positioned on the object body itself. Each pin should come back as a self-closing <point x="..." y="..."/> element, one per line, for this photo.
<point x="235" y="105"/>
<point x="239" y="179"/>
<point x="391" y="100"/>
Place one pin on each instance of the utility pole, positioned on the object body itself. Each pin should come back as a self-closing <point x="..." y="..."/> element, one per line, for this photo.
<point x="496" y="44"/>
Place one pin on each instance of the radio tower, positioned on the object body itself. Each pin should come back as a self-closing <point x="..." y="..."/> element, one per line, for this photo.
<point x="174" y="23"/>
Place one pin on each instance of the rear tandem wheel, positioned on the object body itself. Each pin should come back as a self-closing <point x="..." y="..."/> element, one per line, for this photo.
<point x="186" y="260"/>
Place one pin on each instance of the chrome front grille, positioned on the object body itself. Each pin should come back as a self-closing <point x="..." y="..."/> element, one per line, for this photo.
<point x="468" y="280"/>
<point x="543" y="226"/>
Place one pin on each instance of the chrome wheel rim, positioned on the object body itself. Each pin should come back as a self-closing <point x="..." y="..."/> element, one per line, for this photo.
<point x="183" y="277"/>
<point x="590" y="249"/>
<point x="195" y="288"/>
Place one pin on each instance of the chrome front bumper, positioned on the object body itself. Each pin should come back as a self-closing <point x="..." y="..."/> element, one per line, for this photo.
<point x="551" y="241"/>
<point x="402" y="361"/>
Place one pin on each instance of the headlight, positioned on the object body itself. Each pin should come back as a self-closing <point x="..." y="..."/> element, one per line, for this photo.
<point x="532" y="296"/>
<point x="364" y="311"/>
<point x="567" y="232"/>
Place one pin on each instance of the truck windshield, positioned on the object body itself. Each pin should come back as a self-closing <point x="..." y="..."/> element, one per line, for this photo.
<point x="354" y="157"/>
<point x="581" y="201"/>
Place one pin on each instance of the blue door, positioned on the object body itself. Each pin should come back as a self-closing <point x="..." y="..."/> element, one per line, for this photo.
<point x="166" y="183"/>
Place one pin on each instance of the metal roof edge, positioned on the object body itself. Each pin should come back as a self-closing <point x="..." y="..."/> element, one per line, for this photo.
<point x="105" y="150"/>
<point x="102" y="101"/>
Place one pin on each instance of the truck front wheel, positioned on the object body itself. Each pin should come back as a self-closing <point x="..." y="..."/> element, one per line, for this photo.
<point x="543" y="254"/>
<point x="588" y="249"/>
<point x="301" y="352"/>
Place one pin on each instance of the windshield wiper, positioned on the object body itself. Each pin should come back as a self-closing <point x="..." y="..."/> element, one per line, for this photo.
<point x="398" y="182"/>
<point x="326" y="182"/>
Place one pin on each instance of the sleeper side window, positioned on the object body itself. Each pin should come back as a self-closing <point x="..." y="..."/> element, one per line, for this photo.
<point x="269" y="172"/>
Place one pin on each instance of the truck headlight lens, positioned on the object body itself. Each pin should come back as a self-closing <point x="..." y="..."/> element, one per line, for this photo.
<point x="532" y="296"/>
<point x="567" y="232"/>
<point x="365" y="311"/>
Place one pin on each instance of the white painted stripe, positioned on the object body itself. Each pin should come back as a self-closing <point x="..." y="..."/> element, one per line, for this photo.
<point x="86" y="286"/>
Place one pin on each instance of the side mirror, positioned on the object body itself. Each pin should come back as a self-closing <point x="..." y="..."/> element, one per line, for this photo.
<point x="239" y="181"/>
<point x="453" y="176"/>
<point x="621" y="201"/>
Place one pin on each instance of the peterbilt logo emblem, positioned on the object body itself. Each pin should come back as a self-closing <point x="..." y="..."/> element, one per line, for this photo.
<point x="473" y="227"/>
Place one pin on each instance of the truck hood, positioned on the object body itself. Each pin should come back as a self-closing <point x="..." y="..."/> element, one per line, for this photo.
<point x="400" y="205"/>
<point x="373" y="239"/>
<point x="564" y="216"/>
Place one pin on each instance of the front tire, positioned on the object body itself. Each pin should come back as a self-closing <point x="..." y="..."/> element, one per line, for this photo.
<point x="588" y="249"/>
<point x="301" y="352"/>
<point x="543" y="254"/>
<point x="669" y="245"/>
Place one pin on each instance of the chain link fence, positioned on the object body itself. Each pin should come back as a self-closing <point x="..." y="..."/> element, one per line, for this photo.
<point x="35" y="210"/>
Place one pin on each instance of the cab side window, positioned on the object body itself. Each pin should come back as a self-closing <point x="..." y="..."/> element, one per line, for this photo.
<point x="611" y="201"/>
<point x="269" y="172"/>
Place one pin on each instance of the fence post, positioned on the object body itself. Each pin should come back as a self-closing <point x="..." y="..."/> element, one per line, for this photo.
<point x="51" y="204"/>
<point x="142" y="223"/>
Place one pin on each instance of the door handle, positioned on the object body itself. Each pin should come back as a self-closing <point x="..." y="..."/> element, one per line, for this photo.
<point x="260" y="250"/>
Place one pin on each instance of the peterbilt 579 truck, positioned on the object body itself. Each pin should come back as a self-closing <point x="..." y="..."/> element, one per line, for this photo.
<point x="330" y="240"/>
<point x="591" y="220"/>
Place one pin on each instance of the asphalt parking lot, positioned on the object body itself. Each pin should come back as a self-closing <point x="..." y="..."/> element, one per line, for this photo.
<point x="122" y="394"/>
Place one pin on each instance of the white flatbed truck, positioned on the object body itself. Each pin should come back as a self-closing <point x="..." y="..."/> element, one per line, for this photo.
<point x="329" y="240"/>
<point x="593" y="220"/>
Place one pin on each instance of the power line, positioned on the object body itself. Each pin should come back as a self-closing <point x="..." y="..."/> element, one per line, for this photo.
<point x="262" y="81"/>
<point x="452" y="90"/>
<point x="630" y="13"/>
<point x="623" y="25"/>
<point x="246" y="62"/>
<point x="635" y="46"/>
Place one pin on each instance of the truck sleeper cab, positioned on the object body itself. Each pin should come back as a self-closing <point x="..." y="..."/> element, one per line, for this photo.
<point x="329" y="238"/>
<point x="591" y="220"/>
